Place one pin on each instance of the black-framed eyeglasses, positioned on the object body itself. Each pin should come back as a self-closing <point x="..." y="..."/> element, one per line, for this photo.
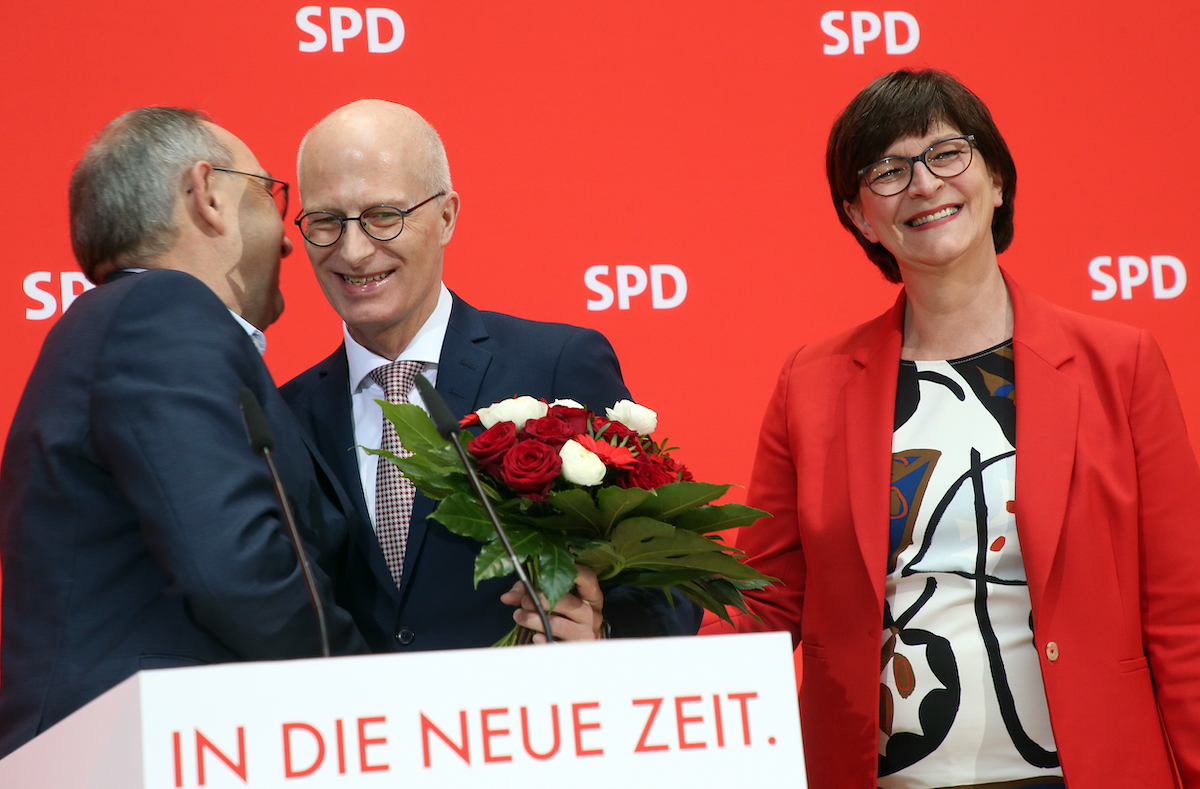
<point x="945" y="159"/>
<point x="381" y="222"/>
<point x="278" y="189"/>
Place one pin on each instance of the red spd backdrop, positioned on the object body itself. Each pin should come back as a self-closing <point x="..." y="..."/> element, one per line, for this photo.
<point x="650" y="169"/>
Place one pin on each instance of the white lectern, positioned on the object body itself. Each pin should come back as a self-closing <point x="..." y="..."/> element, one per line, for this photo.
<point x="620" y="714"/>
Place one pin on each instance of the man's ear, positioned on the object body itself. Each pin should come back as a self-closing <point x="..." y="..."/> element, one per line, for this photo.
<point x="449" y="216"/>
<point x="205" y="202"/>
<point x="854" y="211"/>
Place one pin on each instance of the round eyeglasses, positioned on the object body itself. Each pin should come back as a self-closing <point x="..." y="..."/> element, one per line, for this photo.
<point x="382" y="223"/>
<point x="945" y="159"/>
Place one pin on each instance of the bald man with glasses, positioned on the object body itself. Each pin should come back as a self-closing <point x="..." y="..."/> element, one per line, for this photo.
<point x="379" y="210"/>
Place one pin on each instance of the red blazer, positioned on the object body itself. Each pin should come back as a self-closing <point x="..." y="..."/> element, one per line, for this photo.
<point x="1106" y="509"/>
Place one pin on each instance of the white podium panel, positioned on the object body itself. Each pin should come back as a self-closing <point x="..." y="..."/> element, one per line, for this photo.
<point x="622" y="713"/>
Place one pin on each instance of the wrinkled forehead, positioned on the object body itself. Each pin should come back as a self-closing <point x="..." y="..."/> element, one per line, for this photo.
<point x="336" y="156"/>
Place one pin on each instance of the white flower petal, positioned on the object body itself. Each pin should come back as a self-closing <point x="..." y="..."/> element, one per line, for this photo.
<point x="637" y="418"/>
<point x="581" y="466"/>
<point x="517" y="410"/>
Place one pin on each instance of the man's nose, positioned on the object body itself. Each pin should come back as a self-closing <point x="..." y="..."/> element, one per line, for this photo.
<point x="285" y="247"/>
<point x="356" y="244"/>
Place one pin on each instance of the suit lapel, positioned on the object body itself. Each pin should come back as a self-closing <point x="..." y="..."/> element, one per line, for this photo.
<point x="1047" y="426"/>
<point x="461" y="368"/>
<point x="331" y="404"/>
<point x="869" y="417"/>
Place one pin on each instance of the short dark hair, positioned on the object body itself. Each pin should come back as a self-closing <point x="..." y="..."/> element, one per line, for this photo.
<point x="907" y="103"/>
<point x="122" y="193"/>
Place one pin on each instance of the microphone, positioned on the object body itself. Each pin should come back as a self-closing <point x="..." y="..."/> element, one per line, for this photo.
<point x="447" y="427"/>
<point x="263" y="444"/>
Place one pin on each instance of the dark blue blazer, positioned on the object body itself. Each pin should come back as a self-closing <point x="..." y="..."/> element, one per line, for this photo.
<point x="137" y="528"/>
<point x="486" y="357"/>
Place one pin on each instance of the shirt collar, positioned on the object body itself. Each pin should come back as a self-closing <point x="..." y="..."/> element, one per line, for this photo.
<point x="256" y="335"/>
<point x="425" y="346"/>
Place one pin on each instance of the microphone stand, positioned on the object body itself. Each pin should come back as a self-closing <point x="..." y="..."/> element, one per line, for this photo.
<point x="263" y="442"/>
<point x="447" y="427"/>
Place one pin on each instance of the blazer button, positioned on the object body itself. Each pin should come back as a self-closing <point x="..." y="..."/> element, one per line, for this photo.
<point x="406" y="636"/>
<point x="1052" y="651"/>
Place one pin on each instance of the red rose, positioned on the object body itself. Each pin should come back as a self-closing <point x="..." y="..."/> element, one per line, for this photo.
<point x="530" y="468"/>
<point x="677" y="470"/>
<point x="549" y="430"/>
<point x="647" y="475"/>
<point x="490" y="446"/>
<point x="577" y="418"/>
<point x="613" y="432"/>
<point x="470" y="420"/>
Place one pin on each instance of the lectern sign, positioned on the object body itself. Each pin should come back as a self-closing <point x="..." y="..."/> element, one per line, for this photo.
<point x="613" y="714"/>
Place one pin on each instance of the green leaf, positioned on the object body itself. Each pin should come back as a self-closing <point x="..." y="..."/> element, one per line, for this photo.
<point x="602" y="558"/>
<point x="616" y="503"/>
<point x="646" y="541"/>
<point x="578" y="502"/>
<point x="525" y="541"/>
<point x="661" y="577"/>
<point x="556" y="571"/>
<point x="699" y="595"/>
<point x="414" y="427"/>
<point x="713" y="563"/>
<point x="462" y="515"/>
<point x="724" y="592"/>
<point x="711" y="518"/>
<point x="492" y="562"/>
<point x="435" y="483"/>
<point x="675" y="498"/>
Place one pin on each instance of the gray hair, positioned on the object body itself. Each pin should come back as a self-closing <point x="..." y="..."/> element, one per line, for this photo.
<point x="123" y="191"/>
<point x="432" y="166"/>
<point x="435" y="168"/>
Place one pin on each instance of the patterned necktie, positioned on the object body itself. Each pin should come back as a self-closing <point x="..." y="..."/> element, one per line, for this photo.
<point x="394" y="494"/>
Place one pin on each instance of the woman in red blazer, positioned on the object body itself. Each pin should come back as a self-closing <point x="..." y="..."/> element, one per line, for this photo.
<point x="985" y="593"/>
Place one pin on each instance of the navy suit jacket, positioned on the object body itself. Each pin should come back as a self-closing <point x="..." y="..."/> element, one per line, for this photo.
<point x="137" y="528"/>
<point x="486" y="357"/>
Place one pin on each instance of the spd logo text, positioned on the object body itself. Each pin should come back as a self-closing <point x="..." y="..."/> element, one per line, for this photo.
<point x="344" y="24"/>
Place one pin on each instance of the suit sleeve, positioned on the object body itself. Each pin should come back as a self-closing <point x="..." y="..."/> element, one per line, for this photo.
<point x="166" y="421"/>
<point x="1168" y="480"/>
<point x="588" y="372"/>
<point x="772" y="545"/>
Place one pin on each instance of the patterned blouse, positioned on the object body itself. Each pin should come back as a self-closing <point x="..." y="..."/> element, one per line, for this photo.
<point x="961" y="700"/>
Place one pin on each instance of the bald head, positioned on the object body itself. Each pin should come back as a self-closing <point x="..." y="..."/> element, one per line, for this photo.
<point x="382" y="132"/>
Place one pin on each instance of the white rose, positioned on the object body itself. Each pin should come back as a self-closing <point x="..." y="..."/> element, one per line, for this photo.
<point x="581" y="466"/>
<point x="637" y="418"/>
<point x="568" y="402"/>
<point x="517" y="410"/>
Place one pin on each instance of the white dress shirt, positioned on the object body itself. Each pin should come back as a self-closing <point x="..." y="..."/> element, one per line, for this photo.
<point x="425" y="347"/>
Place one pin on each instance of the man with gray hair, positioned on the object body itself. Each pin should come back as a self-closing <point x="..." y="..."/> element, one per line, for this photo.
<point x="137" y="528"/>
<point x="379" y="210"/>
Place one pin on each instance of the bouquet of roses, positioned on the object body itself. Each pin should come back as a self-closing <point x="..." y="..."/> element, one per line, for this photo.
<point x="571" y="487"/>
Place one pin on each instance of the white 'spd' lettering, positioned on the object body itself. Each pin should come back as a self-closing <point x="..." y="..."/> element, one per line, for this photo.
<point x="631" y="281"/>
<point x="39" y="286"/>
<point x="866" y="26"/>
<point x="347" y="23"/>
<point x="1132" y="271"/>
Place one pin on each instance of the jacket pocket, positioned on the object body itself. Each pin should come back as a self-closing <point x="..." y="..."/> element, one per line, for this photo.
<point x="1133" y="664"/>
